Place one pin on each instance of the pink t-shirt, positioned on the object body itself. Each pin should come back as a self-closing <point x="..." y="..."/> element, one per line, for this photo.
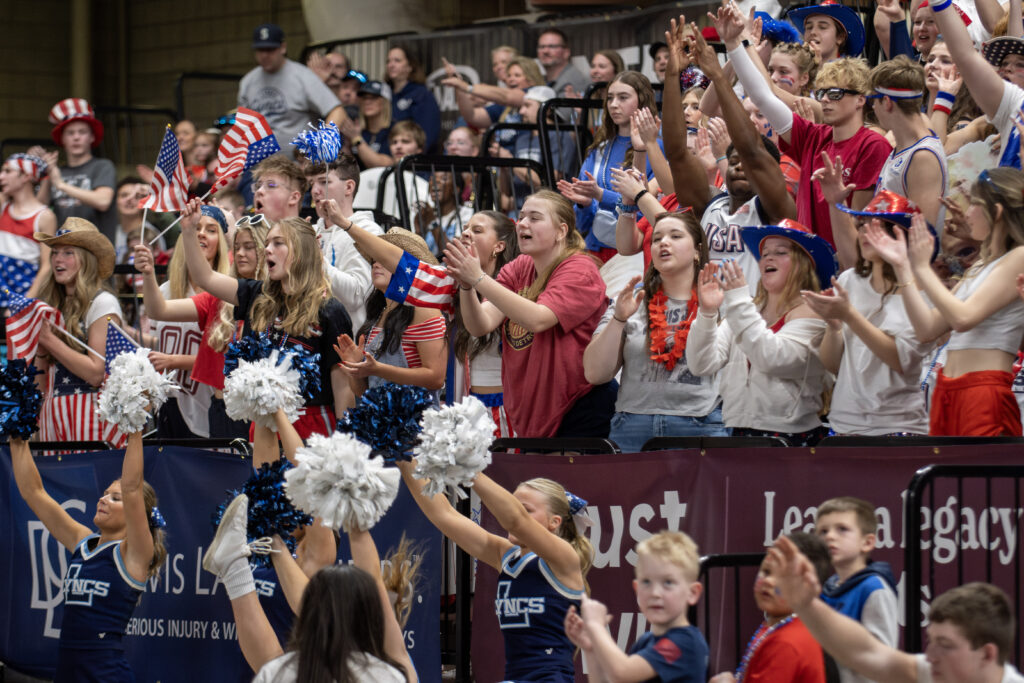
<point x="863" y="156"/>
<point x="542" y="374"/>
<point x="209" y="365"/>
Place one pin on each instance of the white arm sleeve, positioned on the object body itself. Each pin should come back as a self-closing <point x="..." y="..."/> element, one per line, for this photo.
<point x="760" y="92"/>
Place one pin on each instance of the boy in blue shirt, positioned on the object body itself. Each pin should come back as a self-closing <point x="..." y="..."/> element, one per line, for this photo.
<point x="861" y="589"/>
<point x="666" y="586"/>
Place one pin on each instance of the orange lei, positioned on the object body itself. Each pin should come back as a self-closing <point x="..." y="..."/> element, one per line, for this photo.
<point x="659" y="329"/>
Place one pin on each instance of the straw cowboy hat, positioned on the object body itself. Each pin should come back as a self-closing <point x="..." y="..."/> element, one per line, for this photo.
<point x="78" y="232"/>
<point x="409" y="242"/>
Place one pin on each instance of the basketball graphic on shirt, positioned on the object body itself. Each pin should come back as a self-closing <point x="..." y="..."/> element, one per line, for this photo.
<point x="517" y="336"/>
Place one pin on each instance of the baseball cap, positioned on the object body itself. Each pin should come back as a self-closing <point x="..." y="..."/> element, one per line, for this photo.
<point x="267" y="36"/>
<point x="376" y="88"/>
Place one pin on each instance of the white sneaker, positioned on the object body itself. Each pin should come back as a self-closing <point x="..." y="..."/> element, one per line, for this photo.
<point x="229" y="543"/>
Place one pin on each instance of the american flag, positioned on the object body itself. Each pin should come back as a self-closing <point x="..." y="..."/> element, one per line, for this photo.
<point x="421" y="284"/>
<point x="117" y="343"/>
<point x="246" y="143"/>
<point x="27" y="317"/>
<point x="169" y="190"/>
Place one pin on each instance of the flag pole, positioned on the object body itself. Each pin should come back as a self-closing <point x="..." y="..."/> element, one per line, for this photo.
<point x="135" y="288"/>
<point x="117" y="327"/>
<point x="176" y="220"/>
<point x="78" y="341"/>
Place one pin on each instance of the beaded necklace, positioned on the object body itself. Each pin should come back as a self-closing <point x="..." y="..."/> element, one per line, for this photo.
<point x="758" y="638"/>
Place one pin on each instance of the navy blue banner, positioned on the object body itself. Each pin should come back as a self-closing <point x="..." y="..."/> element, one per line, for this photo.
<point x="183" y="629"/>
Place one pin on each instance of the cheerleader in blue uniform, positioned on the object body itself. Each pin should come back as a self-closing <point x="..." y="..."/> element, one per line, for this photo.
<point x="542" y="562"/>
<point x="108" y="570"/>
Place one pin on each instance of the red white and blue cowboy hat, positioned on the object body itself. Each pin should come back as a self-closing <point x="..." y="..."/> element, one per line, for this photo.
<point x="893" y="208"/>
<point x="821" y="253"/>
<point x="842" y="15"/>
<point x="996" y="49"/>
<point x="74" y="109"/>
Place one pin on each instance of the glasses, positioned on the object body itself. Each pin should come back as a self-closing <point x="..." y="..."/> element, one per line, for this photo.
<point x="556" y="46"/>
<point x="254" y="220"/>
<point x="270" y="185"/>
<point x="834" y="94"/>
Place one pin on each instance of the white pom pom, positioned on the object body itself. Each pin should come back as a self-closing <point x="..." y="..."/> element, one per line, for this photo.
<point x="133" y="390"/>
<point x="337" y="480"/>
<point x="454" y="445"/>
<point x="256" y="390"/>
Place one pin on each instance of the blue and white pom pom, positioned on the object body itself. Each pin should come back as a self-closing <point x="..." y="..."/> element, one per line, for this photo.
<point x="455" y="446"/>
<point x="258" y="389"/>
<point x="388" y="419"/>
<point x="133" y="391"/>
<point x="20" y="400"/>
<point x="253" y="347"/>
<point x="249" y="347"/>
<point x="320" y="144"/>
<point x="337" y="480"/>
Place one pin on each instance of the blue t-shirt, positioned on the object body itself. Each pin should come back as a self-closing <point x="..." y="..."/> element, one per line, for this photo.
<point x="678" y="655"/>
<point x="416" y="102"/>
<point x="531" y="605"/>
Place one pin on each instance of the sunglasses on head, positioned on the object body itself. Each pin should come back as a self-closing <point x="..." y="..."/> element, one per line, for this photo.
<point x="834" y="94"/>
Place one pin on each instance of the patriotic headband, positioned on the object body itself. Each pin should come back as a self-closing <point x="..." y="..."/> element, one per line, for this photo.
<point x="578" y="510"/>
<point x="896" y="93"/>
<point x="216" y="214"/>
<point x="29" y="164"/>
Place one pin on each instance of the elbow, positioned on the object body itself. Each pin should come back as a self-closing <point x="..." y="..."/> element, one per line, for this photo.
<point x="435" y="382"/>
<point x="962" y="325"/>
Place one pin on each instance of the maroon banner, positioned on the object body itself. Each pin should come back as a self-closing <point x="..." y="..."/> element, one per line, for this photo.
<point x="739" y="500"/>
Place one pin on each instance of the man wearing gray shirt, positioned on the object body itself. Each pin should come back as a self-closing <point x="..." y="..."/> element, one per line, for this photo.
<point x="553" y="54"/>
<point x="287" y="93"/>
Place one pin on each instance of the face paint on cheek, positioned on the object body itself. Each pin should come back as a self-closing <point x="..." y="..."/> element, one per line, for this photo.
<point x="786" y="81"/>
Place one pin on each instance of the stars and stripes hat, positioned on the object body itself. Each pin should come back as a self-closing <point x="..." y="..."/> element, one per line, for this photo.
<point x="887" y="206"/>
<point x="78" y="232"/>
<point x="29" y="164"/>
<point x="845" y="17"/>
<point x="821" y="253"/>
<point x="74" y="109"/>
<point x="996" y="49"/>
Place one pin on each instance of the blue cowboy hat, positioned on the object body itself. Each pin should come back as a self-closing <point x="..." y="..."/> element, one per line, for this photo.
<point x="844" y="16"/>
<point x="821" y="253"/>
<point x="777" y="31"/>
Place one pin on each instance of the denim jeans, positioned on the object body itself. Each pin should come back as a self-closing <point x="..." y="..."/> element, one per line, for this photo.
<point x="632" y="430"/>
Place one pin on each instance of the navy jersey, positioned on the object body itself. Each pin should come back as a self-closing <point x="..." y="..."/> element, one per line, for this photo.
<point x="275" y="606"/>
<point x="680" y="655"/>
<point x="531" y="605"/>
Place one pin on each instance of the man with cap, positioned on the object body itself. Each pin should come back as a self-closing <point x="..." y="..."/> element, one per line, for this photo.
<point x="84" y="188"/>
<point x="24" y="262"/>
<point x="830" y="29"/>
<point x="659" y="58"/>
<point x="287" y="93"/>
<point x="995" y="77"/>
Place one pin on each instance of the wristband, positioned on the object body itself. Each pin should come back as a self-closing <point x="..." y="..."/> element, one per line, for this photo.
<point x="641" y="193"/>
<point x="356" y="142"/>
<point x="482" y="276"/>
<point x="720" y="159"/>
<point x="944" y="102"/>
<point x="469" y="88"/>
<point x="939" y="5"/>
<point x="616" y="319"/>
<point x="621" y="208"/>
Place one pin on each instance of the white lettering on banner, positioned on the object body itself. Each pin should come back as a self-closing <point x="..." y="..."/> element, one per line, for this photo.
<point x="144" y="626"/>
<point x="170" y="565"/>
<point x="991" y="529"/>
<point x="671" y="512"/>
<point x="410" y="639"/>
<point x="47" y="580"/>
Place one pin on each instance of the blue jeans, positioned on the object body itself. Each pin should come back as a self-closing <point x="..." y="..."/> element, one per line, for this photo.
<point x="632" y="430"/>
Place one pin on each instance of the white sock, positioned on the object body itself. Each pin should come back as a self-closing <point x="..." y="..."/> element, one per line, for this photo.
<point x="237" y="579"/>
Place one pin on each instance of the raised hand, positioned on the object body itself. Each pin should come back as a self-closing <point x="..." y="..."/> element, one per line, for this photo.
<point x="190" y="215"/>
<point x="628" y="183"/>
<point x="832" y="305"/>
<point x="893" y="250"/>
<point x="348" y="350"/>
<point x="576" y="631"/>
<point x="704" y="55"/>
<point x="142" y="258"/>
<point x="709" y="289"/>
<point x="730" y="24"/>
<point x="718" y="136"/>
<point x="318" y="64"/>
<point x="702" y="148"/>
<point x="678" y="54"/>
<point x="795" y="577"/>
<point x="628" y="300"/>
<point x="570" y="191"/>
<point x="732" y="275"/>
<point x="921" y="243"/>
<point x="463" y="263"/>
<point x="891" y="10"/>
<point x="830" y="178"/>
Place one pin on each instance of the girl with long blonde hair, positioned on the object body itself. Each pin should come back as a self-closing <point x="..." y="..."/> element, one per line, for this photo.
<point x="208" y="314"/>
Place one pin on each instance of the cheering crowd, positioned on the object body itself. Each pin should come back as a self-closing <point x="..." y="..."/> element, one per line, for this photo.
<point x="821" y="246"/>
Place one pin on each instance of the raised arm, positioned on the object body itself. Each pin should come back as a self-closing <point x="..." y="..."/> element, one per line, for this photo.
<point x="514" y="518"/>
<point x="982" y="79"/>
<point x="467" y="534"/>
<point x="57" y="521"/>
<point x="846" y="640"/>
<point x="224" y="287"/>
<point x="157" y="307"/>
<point x="758" y="165"/>
<point x="688" y="175"/>
<point x="138" y="544"/>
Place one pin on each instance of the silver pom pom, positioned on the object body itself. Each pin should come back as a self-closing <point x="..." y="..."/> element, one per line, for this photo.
<point x="454" y="446"/>
<point x="132" y="391"/>
<point x="256" y="390"/>
<point x="337" y="480"/>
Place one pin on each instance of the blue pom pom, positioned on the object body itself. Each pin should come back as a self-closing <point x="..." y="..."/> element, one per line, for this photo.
<point x="20" y="400"/>
<point x="320" y="144"/>
<point x="253" y="347"/>
<point x="387" y="419"/>
<point x="270" y="510"/>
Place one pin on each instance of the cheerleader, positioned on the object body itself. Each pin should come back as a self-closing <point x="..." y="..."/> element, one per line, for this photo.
<point x="973" y="393"/>
<point x="772" y="380"/>
<point x="214" y="317"/>
<point x="81" y="259"/>
<point x="108" y="569"/>
<point x="293" y="303"/>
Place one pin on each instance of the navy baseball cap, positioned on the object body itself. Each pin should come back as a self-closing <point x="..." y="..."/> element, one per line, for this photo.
<point x="267" y="36"/>
<point x="376" y="88"/>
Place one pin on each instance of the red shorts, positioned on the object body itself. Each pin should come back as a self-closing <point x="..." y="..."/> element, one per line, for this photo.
<point x="975" y="404"/>
<point x="315" y="420"/>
